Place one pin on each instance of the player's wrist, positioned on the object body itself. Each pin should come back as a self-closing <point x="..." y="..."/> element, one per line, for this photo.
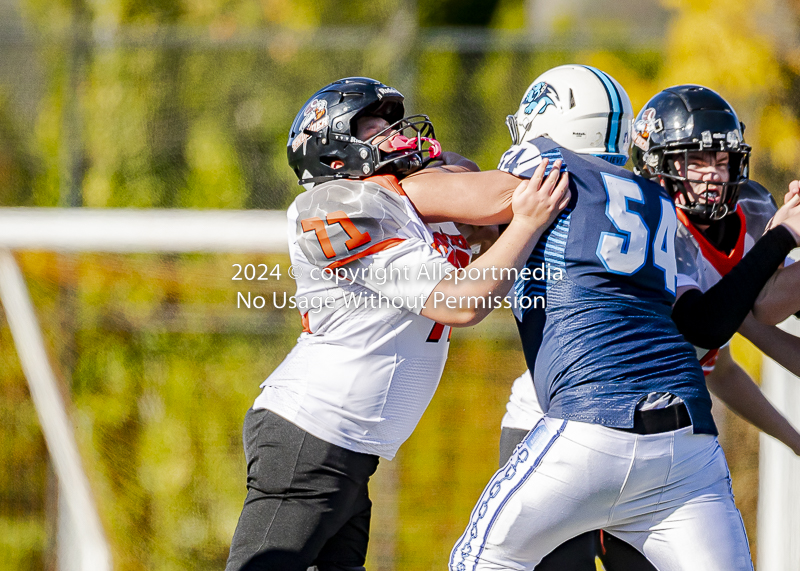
<point x="527" y="224"/>
<point x="792" y="231"/>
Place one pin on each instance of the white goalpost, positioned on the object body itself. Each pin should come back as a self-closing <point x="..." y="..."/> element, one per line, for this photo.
<point x="90" y="550"/>
<point x="83" y="545"/>
<point x="779" y="473"/>
<point x="129" y="231"/>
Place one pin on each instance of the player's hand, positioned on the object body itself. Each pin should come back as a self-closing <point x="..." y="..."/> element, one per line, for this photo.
<point x="538" y="201"/>
<point x="788" y="215"/>
<point x="794" y="190"/>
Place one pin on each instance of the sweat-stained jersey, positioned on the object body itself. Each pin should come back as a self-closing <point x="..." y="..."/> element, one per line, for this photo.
<point x="704" y="263"/>
<point x="367" y="364"/>
<point x="606" y="339"/>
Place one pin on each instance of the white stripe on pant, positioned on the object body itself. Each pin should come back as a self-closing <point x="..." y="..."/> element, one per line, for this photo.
<point x="666" y="494"/>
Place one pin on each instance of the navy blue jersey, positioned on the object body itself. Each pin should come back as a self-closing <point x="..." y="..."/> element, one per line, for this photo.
<point x="605" y="339"/>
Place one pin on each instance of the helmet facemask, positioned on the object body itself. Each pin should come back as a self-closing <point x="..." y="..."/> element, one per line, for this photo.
<point x="411" y="139"/>
<point x="413" y="142"/>
<point x="712" y="204"/>
<point x="511" y="123"/>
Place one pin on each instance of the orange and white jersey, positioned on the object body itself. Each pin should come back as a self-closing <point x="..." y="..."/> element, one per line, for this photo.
<point x="367" y="364"/>
<point x="703" y="262"/>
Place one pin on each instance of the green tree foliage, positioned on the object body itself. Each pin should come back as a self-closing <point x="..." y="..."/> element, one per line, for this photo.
<point x="747" y="67"/>
<point x="17" y="163"/>
<point x="159" y="103"/>
<point x="457" y="13"/>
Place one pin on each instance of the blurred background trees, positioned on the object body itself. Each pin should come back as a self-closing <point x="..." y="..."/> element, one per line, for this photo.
<point x="160" y="103"/>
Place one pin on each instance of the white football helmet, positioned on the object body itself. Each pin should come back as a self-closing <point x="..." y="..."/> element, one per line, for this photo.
<point x="579" y="107"/>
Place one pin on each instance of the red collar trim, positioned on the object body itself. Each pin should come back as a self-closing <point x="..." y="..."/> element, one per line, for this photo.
<point x="722" y="262"/>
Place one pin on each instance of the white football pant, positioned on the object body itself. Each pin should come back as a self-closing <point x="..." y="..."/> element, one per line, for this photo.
<point x="669" y="495"/>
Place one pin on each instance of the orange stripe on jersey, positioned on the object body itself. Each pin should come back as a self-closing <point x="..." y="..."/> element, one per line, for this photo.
<point x="387" y="181"/>
<point x="722" y="262"/>
<point x="380" y="246"/>
<point x="304" y="321"/>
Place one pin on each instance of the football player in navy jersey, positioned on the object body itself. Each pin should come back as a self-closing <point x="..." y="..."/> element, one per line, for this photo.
<point x="716" y="230"/>
<point x="628" y="443"/>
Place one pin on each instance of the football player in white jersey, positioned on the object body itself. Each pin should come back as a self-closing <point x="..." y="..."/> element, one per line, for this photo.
<point x="378" y="291"/>
<point x="720" y="223"/>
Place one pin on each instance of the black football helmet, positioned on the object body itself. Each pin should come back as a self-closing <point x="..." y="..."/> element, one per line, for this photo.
<point x="683" y="119"/>
<point x="322" y="143"/>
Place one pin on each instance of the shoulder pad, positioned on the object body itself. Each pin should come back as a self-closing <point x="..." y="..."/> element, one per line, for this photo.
<point x="687" y="253"/>
<point x="523" y="159"/>
<point x="752" y="193"/>
<point x="758" y="206"/>
<point x="751" y="189"/>
<point x="345" y="219"/>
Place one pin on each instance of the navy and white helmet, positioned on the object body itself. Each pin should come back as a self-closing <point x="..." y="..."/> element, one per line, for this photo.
<point x="579" y="107"/>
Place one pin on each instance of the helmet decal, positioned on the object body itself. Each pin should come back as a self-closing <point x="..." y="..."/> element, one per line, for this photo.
<point x="315" y="118"/>
<point x="539" y="97"/>
<point x="384" y="91"/>
<point x="647" y="124"/>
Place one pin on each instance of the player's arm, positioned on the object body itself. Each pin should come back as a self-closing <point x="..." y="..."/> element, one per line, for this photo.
<point x="535" y="204"/>
<point x="480" y="198"/>
<point x="780" y="297"/>
<point x="457" y="162"/>
<point x="709" y="319"/>
<point x="778" y="345"/>
<point x="737" y="390"/>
